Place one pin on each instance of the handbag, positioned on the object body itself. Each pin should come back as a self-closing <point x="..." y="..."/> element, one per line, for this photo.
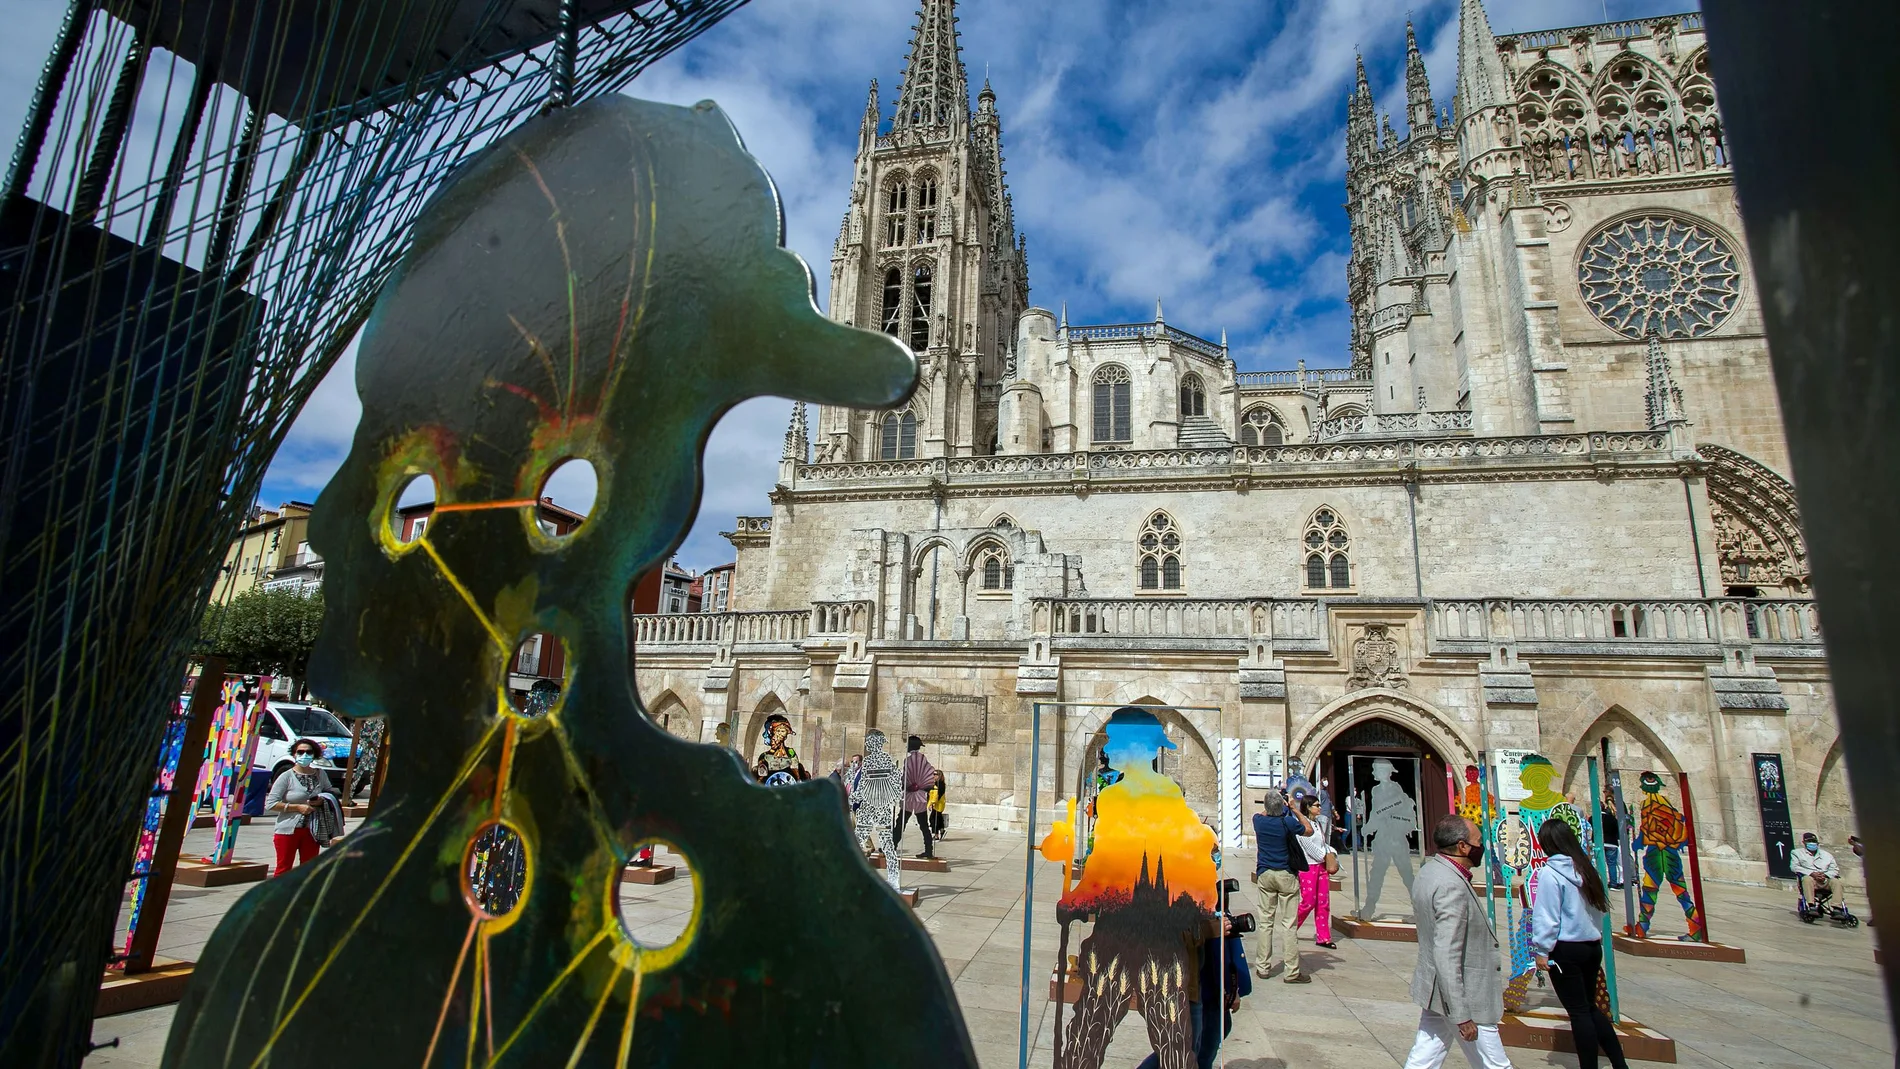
<point x="1332" y="863"/>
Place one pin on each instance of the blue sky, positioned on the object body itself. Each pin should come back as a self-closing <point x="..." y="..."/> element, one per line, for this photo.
<point x="1186" y="152"/>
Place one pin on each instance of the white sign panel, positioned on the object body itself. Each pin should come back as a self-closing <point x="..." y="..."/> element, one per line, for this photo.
<point x="1263" y="762"/>
<point x="1232" y="827"/>
<point x="1507" y="764"/>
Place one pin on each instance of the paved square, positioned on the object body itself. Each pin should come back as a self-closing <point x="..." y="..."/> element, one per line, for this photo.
<point x="1809" y="996"/>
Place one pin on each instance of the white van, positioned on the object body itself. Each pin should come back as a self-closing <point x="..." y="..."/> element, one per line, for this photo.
<point x="285" y="723"/>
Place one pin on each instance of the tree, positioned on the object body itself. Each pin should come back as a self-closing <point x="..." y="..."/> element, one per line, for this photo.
<point x="265" y="631"/>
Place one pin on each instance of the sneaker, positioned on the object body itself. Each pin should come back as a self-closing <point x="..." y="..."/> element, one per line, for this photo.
<point x="1300" y="979"/>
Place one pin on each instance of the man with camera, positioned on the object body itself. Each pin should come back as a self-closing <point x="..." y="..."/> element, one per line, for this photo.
<point x="1277" y="867"/>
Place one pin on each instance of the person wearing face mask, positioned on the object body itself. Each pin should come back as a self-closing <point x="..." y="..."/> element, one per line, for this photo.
<point x="293" y="797"/>
<point x="1458" y="983"/>
<point x="1818" y="865"/>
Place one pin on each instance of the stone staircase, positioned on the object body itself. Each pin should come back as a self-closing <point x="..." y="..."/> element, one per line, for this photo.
<point x="1199" y="432"/>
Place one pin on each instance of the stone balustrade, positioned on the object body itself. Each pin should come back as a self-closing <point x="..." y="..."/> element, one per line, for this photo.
<point x="841" y="618"/>
<point x="1581" y="620"/>
<point x="721" y="628"/>
<point x="1389" y="447"/>
<point x="1165" y="617"/>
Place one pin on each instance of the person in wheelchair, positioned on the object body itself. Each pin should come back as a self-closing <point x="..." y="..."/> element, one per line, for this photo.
<point x="1816" y="865"/>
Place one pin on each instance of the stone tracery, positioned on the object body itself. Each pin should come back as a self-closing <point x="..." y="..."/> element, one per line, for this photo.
<point x="1659" y="274"/>
<point x="1757" y="523"/>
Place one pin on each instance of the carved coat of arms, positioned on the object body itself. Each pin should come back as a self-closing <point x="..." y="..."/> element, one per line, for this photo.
<point x="1375" y="661"/>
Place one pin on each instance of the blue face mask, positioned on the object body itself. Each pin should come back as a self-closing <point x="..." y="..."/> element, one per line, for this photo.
<point x="306" y="759"/>
<point x="1814" y="848"/>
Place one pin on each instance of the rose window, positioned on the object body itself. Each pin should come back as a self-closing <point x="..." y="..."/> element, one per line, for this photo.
<point x="1660" y="275"/>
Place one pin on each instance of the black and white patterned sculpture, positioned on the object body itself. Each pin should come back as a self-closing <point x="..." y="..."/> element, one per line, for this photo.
<point x="877" y="809"/>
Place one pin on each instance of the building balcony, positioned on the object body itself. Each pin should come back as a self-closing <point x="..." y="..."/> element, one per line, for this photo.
<point x="1382" y="425"/>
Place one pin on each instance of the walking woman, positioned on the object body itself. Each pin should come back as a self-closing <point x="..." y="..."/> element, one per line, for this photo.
<point x="1316" y="883"/>
<point x="1567" y="937"/>
<point x="293" y="797"/>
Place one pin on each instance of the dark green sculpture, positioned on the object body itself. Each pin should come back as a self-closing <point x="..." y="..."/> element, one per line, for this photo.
<point x="602" y="284"/>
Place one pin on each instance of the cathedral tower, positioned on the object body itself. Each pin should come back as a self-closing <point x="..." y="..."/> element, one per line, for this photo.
<point x="928" y="252"/>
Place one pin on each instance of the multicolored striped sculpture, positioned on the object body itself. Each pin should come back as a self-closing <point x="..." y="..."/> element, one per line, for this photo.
<point x="169" y="751"/>
<point x="228" y="755"/>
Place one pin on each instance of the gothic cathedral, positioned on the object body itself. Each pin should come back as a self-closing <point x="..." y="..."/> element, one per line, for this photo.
<point x="1540" y="503"/>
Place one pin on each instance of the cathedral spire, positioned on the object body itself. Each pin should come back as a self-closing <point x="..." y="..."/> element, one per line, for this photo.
<point x="1481" y="82"/>
<point x="1663" y="398"/>
<point x="1418" y="86"/>
<point x="797" y="437"/>
<point x="1361" y="131"/>
<point x="936" y="91"/>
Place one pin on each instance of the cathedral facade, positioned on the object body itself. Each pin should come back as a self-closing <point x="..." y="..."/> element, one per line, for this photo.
<point x="1541" y="504"/>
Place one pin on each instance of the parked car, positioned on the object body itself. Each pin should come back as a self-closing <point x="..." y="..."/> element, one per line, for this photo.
<point x="287" y="722"/>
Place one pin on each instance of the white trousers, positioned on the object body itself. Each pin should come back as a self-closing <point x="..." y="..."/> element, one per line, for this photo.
<point x="1436" y="1034"/>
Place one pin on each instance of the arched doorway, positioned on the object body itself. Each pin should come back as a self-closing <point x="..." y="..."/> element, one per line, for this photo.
<point x="1345" y="766"/>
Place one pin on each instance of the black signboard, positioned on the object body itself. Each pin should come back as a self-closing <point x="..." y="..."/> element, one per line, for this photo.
<point x="1777" y="829"/>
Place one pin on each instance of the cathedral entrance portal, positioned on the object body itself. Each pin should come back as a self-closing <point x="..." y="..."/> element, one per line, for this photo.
<point x="1346" y="764"/>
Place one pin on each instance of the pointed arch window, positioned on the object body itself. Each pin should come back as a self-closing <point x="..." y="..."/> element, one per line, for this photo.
<point x="927" y="209"/>
<point x="896" y="212"/>
<point x="1328" y="548"/>
<point x="893" y="300"/>
<point x="1261" y="426"/>
<point x="1111" y="407"/>
<point x="1193" y="396"/>
<point x="997" y="571"/>
<point x="920" y="308"/>
<point x="898" y="438"/>
<point x="1158" y="554"/>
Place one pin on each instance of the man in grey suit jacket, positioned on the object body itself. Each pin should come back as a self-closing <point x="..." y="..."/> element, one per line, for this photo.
<point x="1459" y="984"/>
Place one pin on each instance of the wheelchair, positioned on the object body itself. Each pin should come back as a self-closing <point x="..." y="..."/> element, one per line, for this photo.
<point x="1820" y="906"/>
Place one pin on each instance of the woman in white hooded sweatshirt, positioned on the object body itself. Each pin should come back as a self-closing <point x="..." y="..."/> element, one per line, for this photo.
<point x="1567" y="937"/>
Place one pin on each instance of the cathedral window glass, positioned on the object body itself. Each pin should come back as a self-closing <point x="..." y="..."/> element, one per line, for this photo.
<point x="898" y="438"/>
<point x="1261" y="427"/>
<point x="896" y="212"/>
<point x="998" y="573"/>
<point x="920" y="308"/>
<point x="927" y="209"/>
<point x="1659" y="274"/>
<point x="1193" y="397"/>
<point x="1328" y="547"/>
<point x="1159" y="554"/>
<point x="1111" y="409"/>
<point x="893" y="300"/>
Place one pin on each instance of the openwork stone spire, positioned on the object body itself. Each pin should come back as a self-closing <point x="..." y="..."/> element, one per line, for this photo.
<point x="797" y="436"/>
<point x="1663" y="399"/>
<point x="936" y="91"/>
<point x="1418" y="86"/>
<point x="1481" y="81"/>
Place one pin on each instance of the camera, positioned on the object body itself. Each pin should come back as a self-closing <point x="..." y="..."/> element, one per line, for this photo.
<point x="1229" y="885"/>
<point x="1243" y="923"/>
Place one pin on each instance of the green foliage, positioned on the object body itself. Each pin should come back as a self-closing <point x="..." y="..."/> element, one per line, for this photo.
<point x="264" y="631"/>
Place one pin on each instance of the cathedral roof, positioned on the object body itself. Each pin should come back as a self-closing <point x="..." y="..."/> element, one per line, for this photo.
<point x="936" y="89"/>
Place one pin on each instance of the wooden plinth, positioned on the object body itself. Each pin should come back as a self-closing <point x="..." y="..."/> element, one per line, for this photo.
<point x="1679" y="949"/>
<point x="199" y="874"/>
<point x="1542" y="1030"/>
<point x="161" y="985"/>
<point x="1390" y="931"/>
<point x="1335" y="883"/>
<point x="648" y="874"/>
<point x="356" y="811"/>
<point x="208" y="821"/>
<point x="915" y="864"/>
<point x="909" y="895"/>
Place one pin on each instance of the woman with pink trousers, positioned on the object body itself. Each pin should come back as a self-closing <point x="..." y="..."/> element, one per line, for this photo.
<point x="1316" y="888"/>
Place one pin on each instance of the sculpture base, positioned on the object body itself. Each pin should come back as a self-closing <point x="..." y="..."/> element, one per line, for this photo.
<point x="648" y="874"/>
<point x="1550" y="1030"/>
<point x="204" y="874"/>
<point x="915" y="864"/>
<point x="1390" y="931"/>
<point x="212" y="821"/>
<point x="909" y="895"/>
<point x="161" y="985"/>
<point x="1335" y="883"/>
<point x="355" y="811"/>
<point x="1679" y="949"/>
